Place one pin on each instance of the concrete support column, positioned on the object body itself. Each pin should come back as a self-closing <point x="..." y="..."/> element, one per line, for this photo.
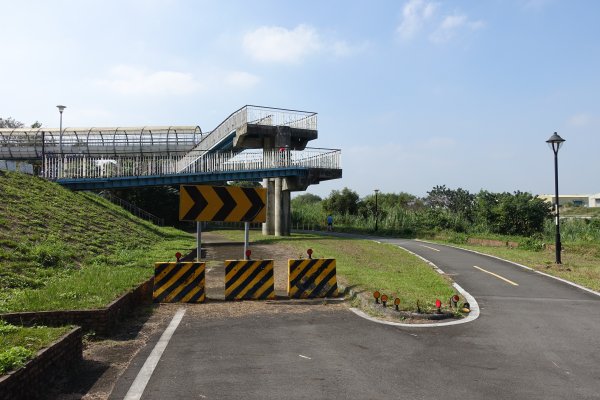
<point x="278" y="208"/>
<point x="286" y="214"/>
<point x="268" y="227"/>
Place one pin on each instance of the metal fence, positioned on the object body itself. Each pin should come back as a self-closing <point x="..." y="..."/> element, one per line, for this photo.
<point x="132" y="208"/>
<point x="78" y="166"/>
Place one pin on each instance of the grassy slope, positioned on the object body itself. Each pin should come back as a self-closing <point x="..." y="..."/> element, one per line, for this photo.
<point x="61" y="249"/>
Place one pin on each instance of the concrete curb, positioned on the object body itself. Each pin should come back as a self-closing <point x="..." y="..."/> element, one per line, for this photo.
<point x="473" y="315"/>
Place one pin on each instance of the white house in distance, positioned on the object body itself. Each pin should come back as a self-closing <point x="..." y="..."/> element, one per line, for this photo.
<point x="582" y="200"/>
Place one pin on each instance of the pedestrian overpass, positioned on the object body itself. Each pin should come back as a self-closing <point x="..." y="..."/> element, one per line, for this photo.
<point x="253" y="143"/>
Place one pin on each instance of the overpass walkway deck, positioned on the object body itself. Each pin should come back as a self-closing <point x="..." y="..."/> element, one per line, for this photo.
<point x="82" y="172"/>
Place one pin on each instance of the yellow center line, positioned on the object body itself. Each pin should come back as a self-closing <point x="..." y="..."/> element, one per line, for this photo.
<point x="496" y="275"/>
<point x="431" y="248"/>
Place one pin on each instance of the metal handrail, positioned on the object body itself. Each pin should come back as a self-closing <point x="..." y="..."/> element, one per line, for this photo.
<point x="132" y="208"/>
<point x="77" y="166"/>
<point x="248" y="114"/>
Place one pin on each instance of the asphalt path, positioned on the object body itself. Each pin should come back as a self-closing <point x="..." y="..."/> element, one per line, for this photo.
<point x="536" y="338"/>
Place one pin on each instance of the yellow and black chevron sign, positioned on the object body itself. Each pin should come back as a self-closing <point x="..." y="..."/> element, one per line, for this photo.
<point x="179" y="282"/>
<point x="249" y="280"/>
<point x="312" y="278"/>
<point x="222" y="203"/>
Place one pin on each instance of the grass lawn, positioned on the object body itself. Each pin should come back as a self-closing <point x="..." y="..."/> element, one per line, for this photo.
<point x="98" y="282"/>
<point x="18" y="344"/>
<point x="369" y="266"/>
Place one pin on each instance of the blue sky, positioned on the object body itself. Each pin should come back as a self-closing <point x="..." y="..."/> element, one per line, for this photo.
<point x="416" y="93"/>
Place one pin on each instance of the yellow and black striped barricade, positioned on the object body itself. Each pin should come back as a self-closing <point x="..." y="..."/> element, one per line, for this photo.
<point x="312" y="278"/>
<point x="249" y="280"/>
<point x="179" y="282"/>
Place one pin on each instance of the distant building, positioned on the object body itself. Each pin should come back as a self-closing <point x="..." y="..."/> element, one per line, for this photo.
<point x="578" y="200"/>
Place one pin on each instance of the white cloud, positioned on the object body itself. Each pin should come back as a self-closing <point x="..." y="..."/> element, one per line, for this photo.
<point x="580" y="120"/>
<point x="414" y="15"/>
<point x="241" y="79"/>
<point x="423" y="15"/>
<point x="343" y="49"/>
<point x="129" y="80"/>
<point x="451" y="24"/>
<point x="277" y="44"/>
<point x="292" y="46"/>
<point x="536" y="4"/>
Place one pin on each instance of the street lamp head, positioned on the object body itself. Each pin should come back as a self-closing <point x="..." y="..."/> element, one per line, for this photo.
<point x="61" y="108"/>
<point x="376" y="190"/>
<point x="555" y="142"/>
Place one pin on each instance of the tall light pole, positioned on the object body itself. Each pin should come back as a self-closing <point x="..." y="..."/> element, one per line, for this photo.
<point x="60" y="110"/>
<point x="376" y="210"/>
<point x="555" y="142"/>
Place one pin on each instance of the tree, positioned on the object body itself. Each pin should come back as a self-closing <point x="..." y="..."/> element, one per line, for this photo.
<point x="10" y="123"/>
<point x="305" y="198"/>
<point x="386" y="202"/>
<point x="342" y="202"/>
<point x="512" y="214"/>
<point x="458" y="201"/>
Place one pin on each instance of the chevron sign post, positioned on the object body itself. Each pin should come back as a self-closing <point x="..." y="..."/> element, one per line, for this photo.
<point x="222" y="203"/>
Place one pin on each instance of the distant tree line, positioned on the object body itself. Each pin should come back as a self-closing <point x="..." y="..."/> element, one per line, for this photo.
<point x="12" y="123"/>
<point x="457" y="210"/>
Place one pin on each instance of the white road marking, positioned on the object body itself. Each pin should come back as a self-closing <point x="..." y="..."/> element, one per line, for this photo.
<point x="430" y="248"/>
<point x="141" y="380"/>
<point x="308" y="358"/>
<point x="524" y="267"/>
<point x="496" y="275"/>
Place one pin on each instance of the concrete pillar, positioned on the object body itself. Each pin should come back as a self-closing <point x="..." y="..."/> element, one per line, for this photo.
<point x="287" y="213"/>
<point x="268" y="227"/>
<point x="278" y="208"/>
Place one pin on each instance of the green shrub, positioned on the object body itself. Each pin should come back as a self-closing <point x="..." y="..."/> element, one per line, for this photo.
<point x="5" y="327"/>
<point x="14" y="358"/>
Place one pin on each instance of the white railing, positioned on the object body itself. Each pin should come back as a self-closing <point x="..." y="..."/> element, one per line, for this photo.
<point x="248" y="115"/>
<point x="79" y="166"/>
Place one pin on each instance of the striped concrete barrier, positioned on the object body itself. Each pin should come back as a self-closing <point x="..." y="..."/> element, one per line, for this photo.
<point x="249" y="280"/>
<point x="179" y="282"/>
<point x="312" y="278"/>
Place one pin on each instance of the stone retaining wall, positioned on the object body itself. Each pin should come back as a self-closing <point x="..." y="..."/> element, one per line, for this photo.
<point x="33" y="379"/>
<point x="102" y="320"/>
<point x="492" y="243"/>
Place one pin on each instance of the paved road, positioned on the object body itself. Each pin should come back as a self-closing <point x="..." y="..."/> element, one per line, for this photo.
<point x="537" y="340"/>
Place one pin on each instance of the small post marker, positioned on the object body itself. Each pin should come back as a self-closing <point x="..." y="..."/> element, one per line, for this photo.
<point x="377" y="295"/>
<point x="384" y="299"/>
<point x="178" y="256"/>
<point x="466" y="307"/>
<point x="454" y="301"/>
<point x="438" y="305"/>
<point x="248" y="254"/>
<point x="309" y="252"/>
<point x="397" y="303"/>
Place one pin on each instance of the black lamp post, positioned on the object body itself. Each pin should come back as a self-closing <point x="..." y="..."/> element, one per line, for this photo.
<point x="376" y="210"/>
<point x="555" y="142"/>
